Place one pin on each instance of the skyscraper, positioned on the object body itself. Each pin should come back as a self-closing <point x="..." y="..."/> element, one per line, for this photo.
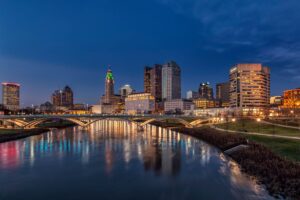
<point x="109" y="101"/>
<point x="206" y="91"/>
<point x="222" y="93"/>
<point x="171" y="81"/>
<point x="109" y="87"/>
<point x="11" y="96"/>
<point x="67" y="97"/>
<point x="249" y="86"/>
<point x="63" y="98"/>
<point x="153" y="81"/>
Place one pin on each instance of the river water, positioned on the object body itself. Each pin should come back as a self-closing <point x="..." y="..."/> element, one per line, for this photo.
<point x="112" y="160"/>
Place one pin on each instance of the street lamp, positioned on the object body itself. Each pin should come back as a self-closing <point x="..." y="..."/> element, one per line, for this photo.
<point x="258" y="120"/>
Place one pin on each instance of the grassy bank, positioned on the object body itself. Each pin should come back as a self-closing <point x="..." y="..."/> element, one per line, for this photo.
<point x="289" y="149"/>
<point x="259" y="127"/>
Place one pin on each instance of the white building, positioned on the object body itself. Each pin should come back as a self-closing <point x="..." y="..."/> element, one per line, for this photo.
<point x="126" y="90"/>
<point x="139" y="103"/>
<point x="192" y="94"/>
<point x="178" y="105"/>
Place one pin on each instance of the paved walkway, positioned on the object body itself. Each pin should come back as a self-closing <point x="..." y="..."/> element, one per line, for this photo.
<point x="261" y="134"/>
<point x="281" y="125"/>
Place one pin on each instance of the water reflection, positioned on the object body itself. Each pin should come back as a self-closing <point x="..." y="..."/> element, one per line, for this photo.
<point x="114" y="146"/>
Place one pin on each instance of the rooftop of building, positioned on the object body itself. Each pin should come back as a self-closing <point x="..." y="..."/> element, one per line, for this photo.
<point x="11" y="83"/>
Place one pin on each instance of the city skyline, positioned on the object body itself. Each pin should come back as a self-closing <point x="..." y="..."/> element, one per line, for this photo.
<point x="43" y="53"/>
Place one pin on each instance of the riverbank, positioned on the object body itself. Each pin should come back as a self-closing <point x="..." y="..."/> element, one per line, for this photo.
<point x="10" y="134"/>
<point x="15" y="134"/>
<point x="280" y="176"/>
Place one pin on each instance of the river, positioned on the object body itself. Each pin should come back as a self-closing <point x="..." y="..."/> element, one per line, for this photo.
<point x="112" y="160"/>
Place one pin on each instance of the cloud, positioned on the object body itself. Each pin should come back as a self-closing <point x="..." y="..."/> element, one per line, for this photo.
<point x="244" y="22"/>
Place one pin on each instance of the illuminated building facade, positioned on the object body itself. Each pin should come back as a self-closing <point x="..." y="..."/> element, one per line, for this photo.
<point x="139" y="103"/>
<point x="204" y="103"/>
<point x="110" y="101"/>
<point x="206" y="91"/>
<point x="11" y="96"/>
<point x="249" y="86"/>
<point x="63" y="98"/>
<point x="153" y="81"/>
<point x="291" y="99"/>
<point x="178" y="105"/>
<point x="222" y="94"/>
<point x="125" y="91"/>
<point x="171" y="81"/>
<point x="276" y="101"/>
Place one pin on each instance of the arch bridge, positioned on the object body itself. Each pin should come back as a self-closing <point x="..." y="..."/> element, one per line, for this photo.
<point x="33" y="121"/>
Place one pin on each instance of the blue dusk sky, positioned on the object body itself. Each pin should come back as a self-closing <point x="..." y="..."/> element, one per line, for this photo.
<point x="47" y="44"/>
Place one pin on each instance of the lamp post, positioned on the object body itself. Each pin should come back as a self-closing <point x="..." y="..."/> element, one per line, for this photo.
<point x="258" y="120"/>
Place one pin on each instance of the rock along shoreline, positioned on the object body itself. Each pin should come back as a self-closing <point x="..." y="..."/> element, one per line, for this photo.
<point x="280" y="176"/>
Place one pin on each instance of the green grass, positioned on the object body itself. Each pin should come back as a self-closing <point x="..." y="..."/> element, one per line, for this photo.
<point x="287" y="148"/>
<point x="253" y="126"/>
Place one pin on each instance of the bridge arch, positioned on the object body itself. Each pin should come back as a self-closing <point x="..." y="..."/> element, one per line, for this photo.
<point x="36" y="122"/>
<point x="16" y="122"/>
<point x="181" y="121"/>
<point x="82" y="123"/>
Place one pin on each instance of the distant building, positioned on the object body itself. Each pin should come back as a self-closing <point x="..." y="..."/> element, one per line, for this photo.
<point x="153" y="81"/>
<point x="96" y="109"/>
<point x="276" y="101"/>
<point x="139" y="103"/>
<point x="249" y="86"/>
<point x="125" y="90"/>
<point x="109" y="98"/>
<point x="222" y="94"/>
<point x="79" y="109"/>
<point x="109" y="101"/>
<point x="63" y="98"/>
<point x="11" y="96"/>
<point x="181" y="105"/>
<point x="192" y="94"/>
<point x="204" y="103"/>
<point x="46" y="107"/>
<point x="206" y="91"/>
<point x="291" y="98"/>
<point x="171" y="81"/>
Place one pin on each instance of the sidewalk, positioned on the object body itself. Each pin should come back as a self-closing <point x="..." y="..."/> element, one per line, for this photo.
<point x="261" y="134"/>
<point x="281" y="125"/>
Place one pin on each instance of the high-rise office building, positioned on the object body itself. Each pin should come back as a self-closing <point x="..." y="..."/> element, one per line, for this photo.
<point x="206" y="91"/>
<point x="63" y="98"/>
<point x="11" y="96"/>
<point x="109" y="87"/>
<point x="222" y="93"/>
<point x="67" y="97"/>
<point x="153" y="81"/>
<point x="171" y="81"/>
<point x="249" y="86"/>
<point x="110" y="102"/>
